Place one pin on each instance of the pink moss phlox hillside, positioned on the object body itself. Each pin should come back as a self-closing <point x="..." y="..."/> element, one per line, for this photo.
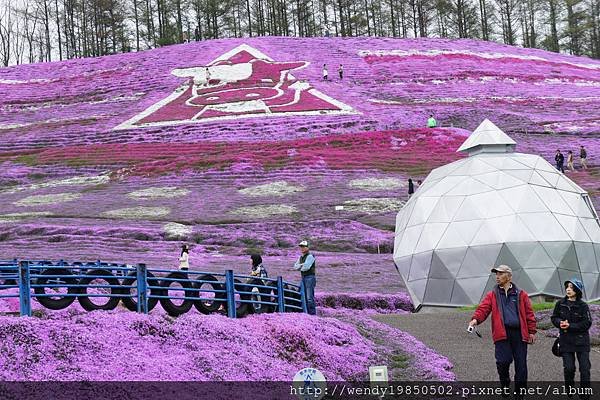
<point x="424" y="363"/>
<point x="382" y="303"/>
<point x="399" y="150"/>
<point x="462" y="82"/>
<point x="129" y="346"/>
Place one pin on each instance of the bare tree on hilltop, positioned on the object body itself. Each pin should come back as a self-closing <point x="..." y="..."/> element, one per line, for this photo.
<point x="50" y="30"/>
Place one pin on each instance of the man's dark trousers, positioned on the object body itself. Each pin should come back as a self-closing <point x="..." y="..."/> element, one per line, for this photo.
<point x="513" y="348"/>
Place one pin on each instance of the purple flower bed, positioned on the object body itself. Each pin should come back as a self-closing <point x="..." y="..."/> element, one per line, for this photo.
<point x="407" y="358"/>
<point x="381" y="303"/>
<point x="129" y="346"/>
<point x="329" y="166"/>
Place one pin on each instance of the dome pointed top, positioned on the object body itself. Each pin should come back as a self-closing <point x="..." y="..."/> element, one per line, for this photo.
<point x="488" y="138"/>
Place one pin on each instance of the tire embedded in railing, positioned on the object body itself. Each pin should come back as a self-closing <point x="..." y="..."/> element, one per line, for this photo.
<point x="130" y="295"/>
<point x="242" y="309"/>
<point x="98" y="274"/>
<point x="51" y="302"/>
<point x="7" y="281"/>
<point x="209" y="306"/>
<point x="167" y="304"/>
<point x="260" y="294"/>
<point x="295" y="294"/>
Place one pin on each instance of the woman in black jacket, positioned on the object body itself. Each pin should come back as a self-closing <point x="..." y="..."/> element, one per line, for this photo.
<point x="573" y="319"/>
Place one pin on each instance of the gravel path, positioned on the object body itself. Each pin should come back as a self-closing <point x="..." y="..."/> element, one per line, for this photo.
<point x="473" y="358"/>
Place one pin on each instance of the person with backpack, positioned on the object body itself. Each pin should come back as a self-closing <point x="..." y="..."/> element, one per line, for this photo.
<point x="572" y="317"/>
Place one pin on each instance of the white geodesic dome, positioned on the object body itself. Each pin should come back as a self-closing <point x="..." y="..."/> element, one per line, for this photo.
<point x="496" y="207"/>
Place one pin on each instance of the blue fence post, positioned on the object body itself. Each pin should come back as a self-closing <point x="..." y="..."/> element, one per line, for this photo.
<point x="230" y="289"/>
<point x="142" y="289"/>
<point x="303" y="297"/>
<point x="24" y="289"/>
<point x="280" y="295"/>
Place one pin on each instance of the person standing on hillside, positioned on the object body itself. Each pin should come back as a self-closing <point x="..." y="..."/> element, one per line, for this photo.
<point x="306" y="264"/>
<point x="207" y="76"/>
<point x="583" y="157"/>
<point x="560" y="161"/>
<point x="411" y="187"/>
<point x="572" y="317"/>
<point x="325" y="72"/>
<point x="184" y="263"/>
<point x="341" y="71"/>
<point x="431" y="122"/>
<point x="513" y="326"/>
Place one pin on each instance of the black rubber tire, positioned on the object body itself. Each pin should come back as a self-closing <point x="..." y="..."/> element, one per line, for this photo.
<point x="8" y="281"/>
<point x="274" y="295"/>
<point x="171" y="308"/>
<point x="244" y="308"/>
<point x="294" y="295"/>
<point x="130" y="300"/>
<point x="206" y="307"/>
<point x="87" y="303"/>
<point x="61" y="302"/>
<point x="262" y="294"/>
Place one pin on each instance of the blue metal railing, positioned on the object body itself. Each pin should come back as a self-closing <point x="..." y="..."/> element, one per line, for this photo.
<point x="56" y="285"/>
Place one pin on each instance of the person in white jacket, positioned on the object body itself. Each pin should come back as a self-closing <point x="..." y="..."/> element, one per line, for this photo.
<point x="184" y="263"/>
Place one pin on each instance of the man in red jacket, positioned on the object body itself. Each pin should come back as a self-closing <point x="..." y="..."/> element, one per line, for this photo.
<point x="513" y="325"/>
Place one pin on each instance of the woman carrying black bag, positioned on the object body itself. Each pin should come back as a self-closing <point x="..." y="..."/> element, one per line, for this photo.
<point x="573" y="319"/>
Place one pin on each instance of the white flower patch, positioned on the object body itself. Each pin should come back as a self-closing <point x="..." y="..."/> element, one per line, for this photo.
<point x="17" y="217"/>
<point x="265" y="211"/>
<point x="373" y="184"/>
<point x="165" y="192"/>
<point x="74" y="181"/>
<point x="482" y="54"/>
<point x="138" y="212"/>
<point x="173" y="229"/>
<point x="43" y="199"/>
<point x="12" y="126"/>
<point x="374" y="205"/>
<point x="278" y="188"/>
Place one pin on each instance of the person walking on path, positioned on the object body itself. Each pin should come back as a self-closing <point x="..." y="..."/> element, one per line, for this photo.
<point x="559" y="158"/>
<point x="341" y="71"/>
<point x="184" y="263"/>
<point x="583" y="157"/>
<point x="513" y="326"/>
<point x="325" y="72"/>
<point x="572" y="317"/>
<point x="306" y="264"/>
<point x="431" y="122"/>
<point x="411" y="187"/>
<point x="570" y="165"/>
